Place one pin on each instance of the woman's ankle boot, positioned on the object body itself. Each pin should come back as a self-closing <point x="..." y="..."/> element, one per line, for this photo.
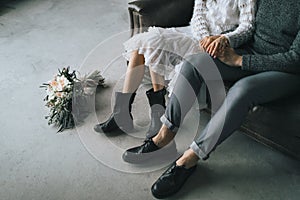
<point x="158" y="105"/>
<point x="121" y="118"/>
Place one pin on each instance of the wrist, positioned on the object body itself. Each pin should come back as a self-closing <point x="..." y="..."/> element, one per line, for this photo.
<point x="215" y="36"/>
<point x="239" y="61"/>
<point x="225" y="39"/>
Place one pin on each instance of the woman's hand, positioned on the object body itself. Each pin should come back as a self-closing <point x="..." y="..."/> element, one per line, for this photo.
<point x="217" y="46"/>
<point x="205" y="42"/>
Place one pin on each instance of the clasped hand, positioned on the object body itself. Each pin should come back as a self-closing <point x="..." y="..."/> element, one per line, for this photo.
<point x="218" y="47"/>
<point x="214" y="45"/>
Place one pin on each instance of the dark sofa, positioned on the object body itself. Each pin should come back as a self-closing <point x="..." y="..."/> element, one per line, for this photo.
<point x="276" y="124"/>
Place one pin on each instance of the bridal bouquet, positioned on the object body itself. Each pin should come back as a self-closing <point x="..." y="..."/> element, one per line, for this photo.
<point x="66" y="94"/>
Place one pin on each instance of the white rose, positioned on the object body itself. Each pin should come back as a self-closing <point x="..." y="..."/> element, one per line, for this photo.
<point x="62" y="82"/>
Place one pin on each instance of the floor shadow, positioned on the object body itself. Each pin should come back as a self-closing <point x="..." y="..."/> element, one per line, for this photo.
<point x="7" y="5"/>
<point x="239" y="178"/>
<point x="200" y="179"/>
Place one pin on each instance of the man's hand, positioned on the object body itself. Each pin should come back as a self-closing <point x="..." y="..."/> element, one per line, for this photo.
<point x="205" y="42"/>
<point x="229" y="57"/>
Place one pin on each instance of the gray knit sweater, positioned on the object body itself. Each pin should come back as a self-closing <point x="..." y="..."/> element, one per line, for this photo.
<point x="276" y="39"/>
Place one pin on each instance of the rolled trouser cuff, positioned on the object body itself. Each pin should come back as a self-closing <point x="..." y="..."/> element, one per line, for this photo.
<point x="169" y="124"/>
<point x="196" y="149"/>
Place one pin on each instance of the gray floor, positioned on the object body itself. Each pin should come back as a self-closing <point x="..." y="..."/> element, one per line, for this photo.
<point x="36" y="38"/>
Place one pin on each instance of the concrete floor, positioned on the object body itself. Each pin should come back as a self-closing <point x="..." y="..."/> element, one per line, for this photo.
<point x="36" y="38"/>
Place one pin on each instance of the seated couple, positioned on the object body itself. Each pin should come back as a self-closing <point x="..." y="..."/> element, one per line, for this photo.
<point x="245" y="43"/>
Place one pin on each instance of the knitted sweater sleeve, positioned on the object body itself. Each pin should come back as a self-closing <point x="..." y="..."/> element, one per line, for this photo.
<point x="244" y="31"/>
<point x="285" y="62"/>
<point x="198" y="22"/>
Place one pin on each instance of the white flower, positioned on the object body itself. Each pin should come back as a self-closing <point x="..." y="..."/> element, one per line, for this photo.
<point x="62" y="82"/>
<point x="60" y="94"/>
<point x="51" y="95"/>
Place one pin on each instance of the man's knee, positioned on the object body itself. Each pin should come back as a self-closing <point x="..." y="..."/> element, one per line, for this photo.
<point x="189" y="67"/>
<point x="205" y="65"/>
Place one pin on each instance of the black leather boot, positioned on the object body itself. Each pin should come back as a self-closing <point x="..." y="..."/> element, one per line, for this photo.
<point x="149" y="151"/>
<point x="121" y="118"/>
<point x="158" y="105"/>
<point x="171" y="181"/>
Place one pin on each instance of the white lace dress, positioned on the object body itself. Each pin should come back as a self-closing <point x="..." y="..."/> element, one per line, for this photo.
<point x="165" y="48"/>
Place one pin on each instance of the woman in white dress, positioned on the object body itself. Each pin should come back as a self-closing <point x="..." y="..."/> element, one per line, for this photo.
<point x="215" y="24"/>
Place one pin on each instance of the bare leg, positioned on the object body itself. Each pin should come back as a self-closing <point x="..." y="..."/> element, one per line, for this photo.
<point x="188" y="159"/>
<point x="121" y="118"/>
<point x="164" y="137"/>
<point x="158" y="81"/>
<point x="135" y="73"/>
